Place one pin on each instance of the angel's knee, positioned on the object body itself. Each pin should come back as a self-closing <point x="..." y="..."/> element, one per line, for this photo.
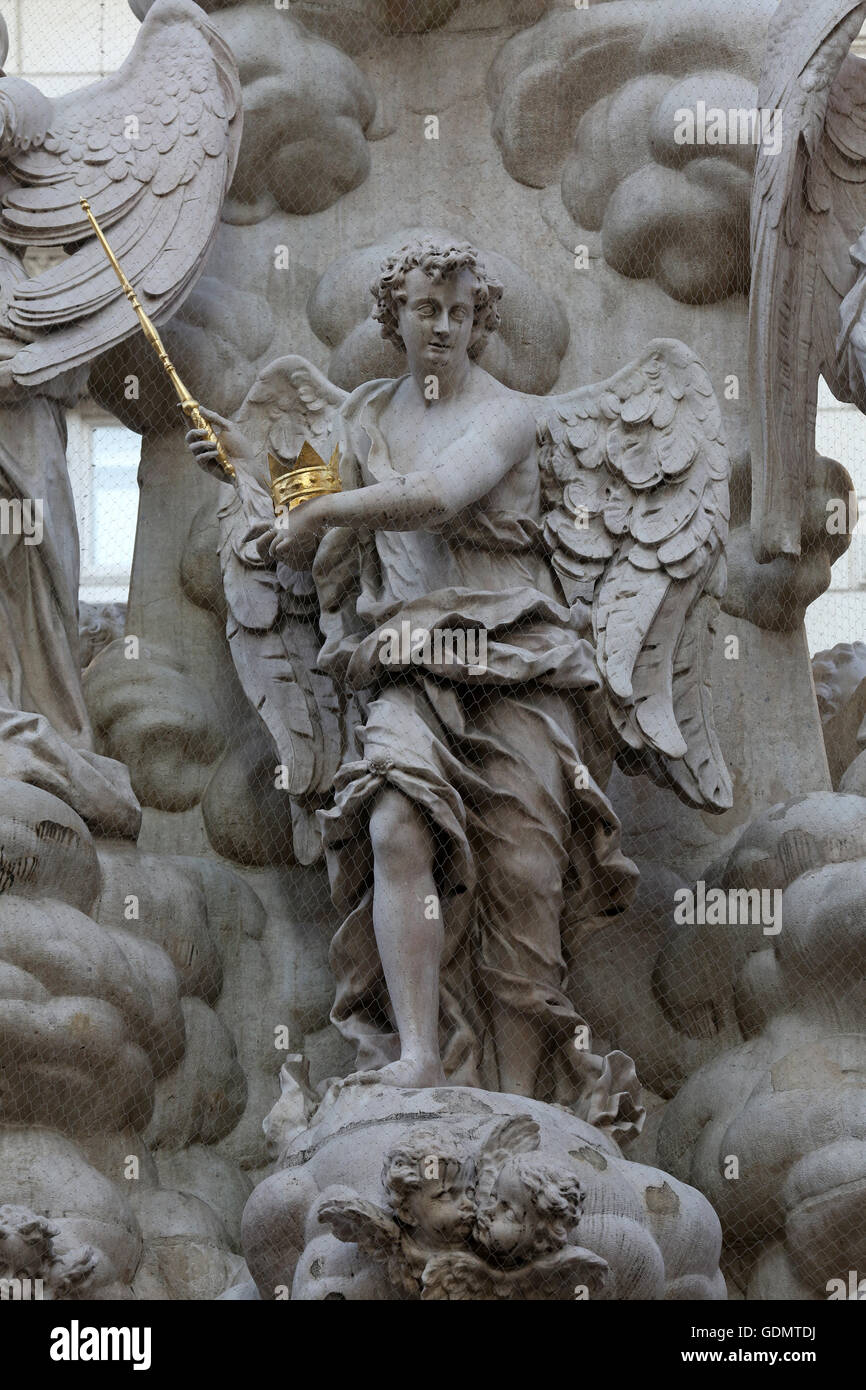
<point x="398" y="832"/>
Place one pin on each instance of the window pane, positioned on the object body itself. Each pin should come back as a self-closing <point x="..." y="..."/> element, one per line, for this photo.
<point x="114" y="447"/>
<point x="114" y="453"/>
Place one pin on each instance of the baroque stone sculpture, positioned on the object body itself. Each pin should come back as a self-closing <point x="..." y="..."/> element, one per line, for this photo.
<point x="452" y="1193"/>
<point x="119" y="1037"/>
<point x="436" y="684"/>
<point x="516" y="1214"/>
<point x="840" y="688"/>
<point x="28" y="1256"/>
<point x="808" y="216"/>
<point x="531" y="524"/>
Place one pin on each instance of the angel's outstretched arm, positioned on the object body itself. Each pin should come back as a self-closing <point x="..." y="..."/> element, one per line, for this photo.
<point x="425" y="501"/>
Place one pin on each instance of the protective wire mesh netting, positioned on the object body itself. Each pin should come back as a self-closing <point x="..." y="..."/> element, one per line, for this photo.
<point x="496" y="763"/>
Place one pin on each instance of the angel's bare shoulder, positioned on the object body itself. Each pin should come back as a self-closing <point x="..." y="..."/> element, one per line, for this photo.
<point x="503" y="419"/>
<point x="509" y="409"/>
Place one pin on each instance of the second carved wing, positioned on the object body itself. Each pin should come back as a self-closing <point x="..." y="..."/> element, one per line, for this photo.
<point x="808" y="209"/>
<point x="635" y="480"/>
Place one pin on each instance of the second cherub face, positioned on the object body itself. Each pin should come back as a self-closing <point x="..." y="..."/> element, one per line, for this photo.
<point x="507" y="1223"/>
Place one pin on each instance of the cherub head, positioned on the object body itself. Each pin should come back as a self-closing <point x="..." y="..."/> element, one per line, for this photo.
<point x="529" y="1211"/>
<point x="437" y="302"/>
<point x="429" y="1178"/>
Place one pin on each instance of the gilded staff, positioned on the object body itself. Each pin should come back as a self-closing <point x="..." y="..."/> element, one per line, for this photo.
<point x="189" y="406"/>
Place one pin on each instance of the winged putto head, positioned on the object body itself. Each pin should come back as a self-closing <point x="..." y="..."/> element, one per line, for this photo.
<point x="430" y="1179"/>
<point x="486" y="1220"/>
<point x="27" y="1252"/>
<point x="531" y="1210"/>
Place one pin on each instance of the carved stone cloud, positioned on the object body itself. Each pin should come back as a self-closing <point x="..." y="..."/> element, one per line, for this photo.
<point x="788" y="1102"/>
<point x="356" y="24"/>
<point x="671" y="209"/>
<point x="306" y="110"/>
<point x="611" y="1229"/>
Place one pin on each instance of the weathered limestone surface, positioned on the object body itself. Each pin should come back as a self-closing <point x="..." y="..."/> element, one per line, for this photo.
<point x="350" y="1214"/>
<point x="508" y="110"/>
<point x="144" y="981"/>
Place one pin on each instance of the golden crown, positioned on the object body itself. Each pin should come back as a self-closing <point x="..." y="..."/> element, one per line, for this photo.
<point x="309" y="476"/>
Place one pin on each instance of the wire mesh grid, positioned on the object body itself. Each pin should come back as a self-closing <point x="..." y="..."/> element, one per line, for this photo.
<point x="495" y="773"/>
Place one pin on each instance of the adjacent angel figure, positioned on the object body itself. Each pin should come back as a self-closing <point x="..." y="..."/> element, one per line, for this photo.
<point x="508" y="1218"/>
<point x="808" y="255"/>
<point x="457" y="784"/>
<point x="153" y="148"/>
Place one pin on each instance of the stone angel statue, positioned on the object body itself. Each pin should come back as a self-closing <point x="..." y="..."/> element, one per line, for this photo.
<point x="491" y="1222"/>
<point x="153" y="148"/>
<point x="509" y="591"/>
<point x="808" y="255"/>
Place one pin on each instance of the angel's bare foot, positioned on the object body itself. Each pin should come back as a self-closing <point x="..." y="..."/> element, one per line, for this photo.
<point x="409" y="1071"/>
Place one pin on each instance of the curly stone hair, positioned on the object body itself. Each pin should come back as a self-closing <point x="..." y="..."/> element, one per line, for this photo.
<point x="439" y="260"/>
<point x="402" y="1173"/>
<point x="556" y="1195"/>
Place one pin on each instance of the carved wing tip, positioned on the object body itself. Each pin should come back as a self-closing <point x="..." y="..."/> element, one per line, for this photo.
<point x="514" y="1134"/>
<point x="356" y="1221"/>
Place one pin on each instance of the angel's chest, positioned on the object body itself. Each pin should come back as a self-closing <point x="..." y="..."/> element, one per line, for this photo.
<point x="416" y="445"/>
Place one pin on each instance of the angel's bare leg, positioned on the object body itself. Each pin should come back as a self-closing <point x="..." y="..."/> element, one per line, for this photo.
<point x="409" y="943"/>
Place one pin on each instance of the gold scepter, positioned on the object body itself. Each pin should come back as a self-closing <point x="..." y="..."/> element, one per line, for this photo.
<point x="189" y="406"/>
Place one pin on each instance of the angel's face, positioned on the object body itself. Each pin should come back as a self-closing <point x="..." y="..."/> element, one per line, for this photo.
<point x="436" y="321"/>
<point x="508" y="1221"/>
<point x="441" y="1207"/>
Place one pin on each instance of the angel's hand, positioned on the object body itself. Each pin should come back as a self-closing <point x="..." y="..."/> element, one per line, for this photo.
<point x="298" y="534"/>
<point x="263" y="536"/>
<point x="25" y="115"/>
<point x="239" y="448"/>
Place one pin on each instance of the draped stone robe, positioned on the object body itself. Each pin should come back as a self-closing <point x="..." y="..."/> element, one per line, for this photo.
<point x="45" y="734"/>
<point x="503" y="757"/>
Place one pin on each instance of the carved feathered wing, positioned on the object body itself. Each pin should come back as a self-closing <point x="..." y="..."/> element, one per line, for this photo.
<point x="458" y="1275"/>
<point x="273" y="612"/>
<point x="516" y="1134"/>
<point x="356" y="1221"/>
<point x="153" y="148"/>
<point x="359" y="1222"/>
<point x="808" y="207"/>
<point x="559" y="1277"/>
<point x="635" y="480"/>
